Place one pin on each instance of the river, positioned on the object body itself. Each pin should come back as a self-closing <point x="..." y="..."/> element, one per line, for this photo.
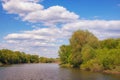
<point x="50" y="72"/>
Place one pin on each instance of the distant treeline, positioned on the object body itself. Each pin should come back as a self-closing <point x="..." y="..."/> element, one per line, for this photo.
<point x="48" y="60"/>
<point x="89" y="53"/>
<point x="17" y="57"/>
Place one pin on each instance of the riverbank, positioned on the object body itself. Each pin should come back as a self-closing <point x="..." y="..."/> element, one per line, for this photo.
<point x="101" y="71"/>
<point x="111" y="72"/>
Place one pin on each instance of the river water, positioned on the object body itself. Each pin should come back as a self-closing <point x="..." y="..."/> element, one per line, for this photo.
<point x="50" y="72"/>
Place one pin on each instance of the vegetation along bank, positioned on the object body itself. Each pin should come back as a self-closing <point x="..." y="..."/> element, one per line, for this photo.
<point x="88" y="53"/>
<point x="17" y="57"/>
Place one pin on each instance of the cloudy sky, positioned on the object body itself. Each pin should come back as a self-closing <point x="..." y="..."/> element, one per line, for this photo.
<point x="41" y="26"/>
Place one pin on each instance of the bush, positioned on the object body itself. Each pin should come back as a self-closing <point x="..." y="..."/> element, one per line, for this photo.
<point x="66" y="65"/>
<point x="92" y="65"/>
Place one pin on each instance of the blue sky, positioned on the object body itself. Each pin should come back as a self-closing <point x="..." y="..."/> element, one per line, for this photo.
<point x="106" y="9"/>
<point x="41" y="26"/>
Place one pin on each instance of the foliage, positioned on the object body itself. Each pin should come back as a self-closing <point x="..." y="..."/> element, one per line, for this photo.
<point x="110" y="43"/>
<point x="47" y="60"/>
<point x="89" y="53"/>
<point x="92" y="65"/>
<point x="78" y="40"/>
<point x="16" y="57"/>
<point x="64" y="53"/>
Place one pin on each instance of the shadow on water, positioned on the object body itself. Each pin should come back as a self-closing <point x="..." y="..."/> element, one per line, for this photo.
<point x="50" y="72"/>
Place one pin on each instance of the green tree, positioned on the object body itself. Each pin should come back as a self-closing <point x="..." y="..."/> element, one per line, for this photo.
<point x="78" y="40"/>
<point x="64" y="53"/>
<point x="34" y="59"/>
<point x="110" y="43"/>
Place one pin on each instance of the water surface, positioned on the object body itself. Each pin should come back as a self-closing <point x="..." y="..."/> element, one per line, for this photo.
<point x="49" y="72"/>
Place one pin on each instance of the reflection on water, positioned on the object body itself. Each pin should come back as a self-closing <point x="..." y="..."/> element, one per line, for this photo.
<point x="49" y="72"/>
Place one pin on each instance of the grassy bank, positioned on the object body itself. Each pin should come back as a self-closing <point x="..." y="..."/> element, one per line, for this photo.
<point x="95" y="69"/>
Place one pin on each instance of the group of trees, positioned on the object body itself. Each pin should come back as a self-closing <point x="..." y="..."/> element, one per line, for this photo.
<point x="17" y="57"/>
<point x="48" y="60"/>
<point x="89" y="53"/>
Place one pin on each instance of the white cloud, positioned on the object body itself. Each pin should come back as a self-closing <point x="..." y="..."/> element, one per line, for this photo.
<point x="43" y="41"/>
<point x="21" y="7"/>
<point x="31" y="11"/>
<point x="46" y="34"/>
<point x="101" y="28"/>
<point x="52" y="15"/>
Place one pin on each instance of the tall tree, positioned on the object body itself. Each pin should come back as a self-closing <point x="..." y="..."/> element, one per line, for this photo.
<point x="78" y="40"/>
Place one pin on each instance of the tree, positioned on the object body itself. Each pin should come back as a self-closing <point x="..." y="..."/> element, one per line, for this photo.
<point x="34" y="59"/>
<point x="64" y="53"/>
<point x="78" y="40"/>
<point x="110" y="43"/>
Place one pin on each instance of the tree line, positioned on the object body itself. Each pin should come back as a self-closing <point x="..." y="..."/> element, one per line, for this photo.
<point x="48" y="60"/>
<point x="17" y="57"/>
<point x="89" y="53"/>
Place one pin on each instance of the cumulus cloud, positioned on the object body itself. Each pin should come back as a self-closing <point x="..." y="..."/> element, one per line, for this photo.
<point x="21" y="7"/>
<point x="43" y="40"/>
<point x="52" y="15"/>
<point x="45" y="34"/>
<point x="101" y="28"/>
<point x="31" y="11"/>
